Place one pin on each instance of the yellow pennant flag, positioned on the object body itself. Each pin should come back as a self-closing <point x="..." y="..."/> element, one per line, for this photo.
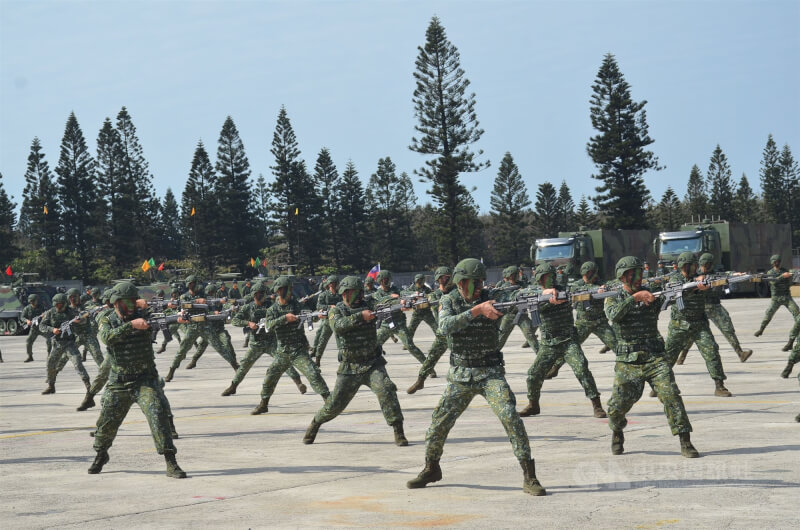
<point x="192" y="214"/>
<point x="146" y="266"/>
<point x="45" y="209"/>
<point x="296" y="211"/>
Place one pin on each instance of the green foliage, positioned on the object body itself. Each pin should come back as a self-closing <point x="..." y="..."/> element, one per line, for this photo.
<point x="584" y="217"/>
<point x="8" y="219"/>
<point x="391" y="204"/>
<point x="353" y="219"/>
<point x="510" y="214"/>
<point x="566" y="209"/>
<point x="327" y="183"/>
<point x="790" y="176"/>
<point x="619" y="150"/>
<point x="669" y="212"/>
<point x="773" y="186"/>
<point x="546" y="211"/>
<point x="200" y="238"/>
<point x="696" y="200"/>
<point x="745" y="202"/>
<point x="721" y="186"/>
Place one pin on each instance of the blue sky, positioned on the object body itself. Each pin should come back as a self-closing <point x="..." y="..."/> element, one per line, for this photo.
<point x="712" y="72"/>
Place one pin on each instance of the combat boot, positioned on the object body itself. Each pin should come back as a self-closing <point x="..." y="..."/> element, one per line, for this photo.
<point x="430" y="473"/>
<point x="682" y="356"/>
<point x="231" y="390"/>
<point x="84" y="355"/>
<point x="51" y="389"/>
<point x="87" y="403"/>
<point x="605" y="349"/>
<point x="235" y="365"/>
<point x="311" y="432"/>
<point x="261" y="408"/>
<point x="760" y="331"/>
<point x="191" y="364"/>
<point x="317" y="361"/>
<point x="170" y="374"/>
<point x="173" y="469"/>
<point x="525" y="345"/>
<point x="399" y="435"/>
<point x="687" y="449"/>
<point x="99" y="461"/>
<point x="530" y="483"/>
<point x="433" y="375"/>
<point x="552" y="373"/>
<point x="797" y="418"/>
<point x="88" y="384"/>
<point x="652" y="392"/>
<point x="29" y="359"/>
<point x="598" y="408"/>
<point x="617" y="441"/>
<point x="788" y="370"/>
<point x="744" y="354"/>
<point x="787" y="346"/>
<point x="532" y="409"/>
<point x="172" y="432"/>
<point x="300" y="386"/>
<point x="162" y="349"/>
<point x="419" y="384"/>
<point x="721" y="391"/>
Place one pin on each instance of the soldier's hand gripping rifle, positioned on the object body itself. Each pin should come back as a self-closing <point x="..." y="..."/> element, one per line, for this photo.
<point x="385" y="313"/>
<point x="311" y="296"/>
<point x="34" y="322"/>
<point x="66" y="327"/>
<point x="674" y="292"/>
<point x="260" y="328"/>
<point x="585" y="296"/>
<point x="308" y="318"/>
<point x="415" y="301"/>
<point x="762" y="277"/>
<point x="161" y="322"/>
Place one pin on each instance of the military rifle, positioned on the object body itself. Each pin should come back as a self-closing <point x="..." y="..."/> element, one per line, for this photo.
<point x="66" y="327"/>
<point x="308" y="317"/>
<point x="385" y="313"/>
<point x="161" y="322"/>
<point x="34" y="322"/>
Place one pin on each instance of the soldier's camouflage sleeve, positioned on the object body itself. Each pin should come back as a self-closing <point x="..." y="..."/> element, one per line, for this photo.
<point x="450" y="321"/>
<point x="243" y="316"/>
<point x="111" y="335"/>
<point x="615" y="308"/>
<point x="341" y="323"/>
<point x="44" y="324"/>
<point x="26" y="313"/>
<point x="275" y="318"/>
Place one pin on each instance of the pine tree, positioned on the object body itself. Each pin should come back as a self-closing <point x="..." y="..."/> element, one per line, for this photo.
<point x="773" y="186"/>
<point x="284" y="189"/>
<point x="307" y="218"/>
<point x="200" y="210"/>
<point x="38" y="229"/>
<point x="668" y="211"/>
<point x="546" y="211"/>
<point x="745" y="202"/>
<point x="390" y="234"/>
<point x="327" y="182"/>
<point x="619" y="151"/>
<point x="566" y="208"/>
<point x="261" y="196"/>
<point x="790" y="175"/>
<point x="171" y="236"/>
<point x="77" y="195"/>
<point x="584" y="217"/>
<point x="233" y="191"/>
<point x="354" y="219"/>
<point x="448" y="126"/>
<point x="696" y="200"/>
<point x="509" y="214"/>
<point x="721" y="186"/>
<point x="8" y="219"/>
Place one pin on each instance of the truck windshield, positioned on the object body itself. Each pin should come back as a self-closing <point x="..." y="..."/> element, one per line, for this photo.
<point x="676" y="246"/>
<point x="554" y="252"/>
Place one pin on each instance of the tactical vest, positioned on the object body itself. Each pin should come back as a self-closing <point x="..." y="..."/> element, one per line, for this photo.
<point x="637" y="330"/>
<point x="557" y="321"/>
<point x="694" y="302"/>
<point x="289" y="336"/>
<point x="359" y="344"/>
<point x="595" y="310"/>
<point x="476" y="345"/>
<point x="131" y="353"/>
<point x="56" y="319"/>
<point x="780" y="287"/>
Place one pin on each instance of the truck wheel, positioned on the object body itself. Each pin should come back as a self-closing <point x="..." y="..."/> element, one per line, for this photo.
<point x="11" y="326"/>
<point x="2" y="327"/>
<point x="762" y="290"/>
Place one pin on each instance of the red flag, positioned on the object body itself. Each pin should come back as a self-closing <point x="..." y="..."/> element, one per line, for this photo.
<point x="161" y="267"/>
<point x="9" y="272"/>
<point x="373" y="272"/>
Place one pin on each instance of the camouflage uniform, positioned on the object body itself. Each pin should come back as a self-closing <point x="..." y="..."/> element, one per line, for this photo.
<point x="421" y="314"/>
<point x="174" y="329"/>
<point x="325" y="300"/>
<point x="640" y="358"/>
<point x="216" y="328"/>
<point x="234" y="293"/>
<point x="29" y="313"/>
<point x="780" y="291"/>
<point x="292" y="350"/>
<point x="382" y="295"/>
<point x="507" y="322"/>
<point x="439" y="345"/>
<point x="63" y="346"/>
<point x="86" y="336"/>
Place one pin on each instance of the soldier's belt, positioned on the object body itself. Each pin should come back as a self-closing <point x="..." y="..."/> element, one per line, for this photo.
<point x="560" y="336"/>
<point x="656" y="346"/>
<point x="130" y="378"/>
<point x="487" y="361"/>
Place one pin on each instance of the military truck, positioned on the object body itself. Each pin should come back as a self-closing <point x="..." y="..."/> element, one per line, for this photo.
<point x="570" y="250"/>
<point x="14" y="298"/>
<point x="740" y="247"/>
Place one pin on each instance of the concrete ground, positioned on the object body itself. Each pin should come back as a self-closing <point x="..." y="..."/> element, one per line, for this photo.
<point x="253" y="471"/>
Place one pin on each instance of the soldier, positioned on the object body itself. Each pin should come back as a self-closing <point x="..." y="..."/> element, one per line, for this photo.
<point x="421" y="313"/>
<point x="29" y="314"/>
<point x="262" y="342"/>
<point x="641" y="358"/>
<point x="63" y="343"/>
<point x="84" y="335"/>
<point x="590" y="319"/>
<point x="248" y="286"/>
<point x="369" y="286"/>
<point x="361" y="362"/>
<point x="780" y="296"/>
<point x="471" y="325"/>
<point x="512" y="280"/>
<point x="559" y="341"/>
<point x="326" y="300"/>
<point x="690" y="324"/>
<point x="195" y="330"/>
<point x="386" y="293"/>
<point x="717" y="313"/>
<point x="439" y="346"/>
<point x="292" y="344"/>
<point x="171" y="309"/>
<point x="234" y="293"/>
<point x="102" y="375"/>
<point x="133" y="378"/>
<point x="794" y="357"/>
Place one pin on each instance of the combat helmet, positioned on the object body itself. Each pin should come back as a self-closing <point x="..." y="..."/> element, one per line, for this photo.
<point x="627" y="263"/>
<point x="588" y="267"/>
<point x="332" y="279"/>
<point x="73" y="292"/>
<point x="774" y="258"/>
<point x="106" y="298"/>
<point x="705" y="259"/>
<point x="60" y="298"/>
<point x="510" y="271"/>
<point x="281" y="282"/>
<point x="259" y="287"/>
<point x="95" y="291"/>
<point x="384" y="275"/>
<point x="469" y="269"/>
<point x="124" y="290"/>
<point x="350" y="283"/>
<point x="442" y="271"/>
<point x="686" y="258"/>
<point x="541" y="270"/>
<point x="33" y="298"/>
<point x="419" y="278"/>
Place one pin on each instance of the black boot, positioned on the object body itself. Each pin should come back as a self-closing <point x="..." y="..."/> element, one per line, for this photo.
<point x="552" y="373"/>
<point x="760" y="331"/>
<point x="605" y="349"/>
<point x="788" y="370"/>
<point x="419" y="384"/>
<point x="261" y="408"/>
<point x="787" y="347"/>
<point x="721" y="391"/>
<point x="300" y="386"/>
<point x="87" y="403"/>
<point x="744" y="354"/>
<point x="172" y="431"/>
<point x="191" y="364"/>
<point x="29" y="359"/>
<point x="687" y="449"/>
<point x="430" y="473"/>
<point x="399" y="435"/>
<point x="99" y="461"/>
<point x="231" y="390"/>
<point x="163" y="348"/>
<point x="598" y="408"/>
<point x="525" y="345"/>
<point x="51" y="389"/>
<point x="532" y="409"/>
<point x="170" y="375"/>
<point x="617" y="441"/>
<point x="433" y="375"/>
<point x="311" y="432"/>
<point x="173" y="469"/>
<point x="530" y="484"/>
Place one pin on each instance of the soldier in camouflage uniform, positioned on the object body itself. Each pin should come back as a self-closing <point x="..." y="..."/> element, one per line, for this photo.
<point x="780" y="290"/>
<point x="63" y="345"/>
<point x="471" y="325"/>
<point x="29" y="313"/>
<point x="640" y="358"/>
<point x="691" y="324"/>
<point x="234" y="293"/>
<point x="85" y="336"/>
<point x="325" y="301"/>
<point x="248" y="286"/>
<point x="439" y="346"/>
<point x="793" y="357"/>
<point x="195" y="330"/>
<point x="262" y="342"/>
<point x="361" y="362"/>
<point x="717" y="313"/>
<point x="420" y="314"/>
<point x="511" y="276"/>
<point x="216" y="327"/>
<point x="559" y="341"/>
<point x="133" y="378"/>
<point x="386" y="293"/>
<point x="292" y="348"/>
<point x="174" y="299"/>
